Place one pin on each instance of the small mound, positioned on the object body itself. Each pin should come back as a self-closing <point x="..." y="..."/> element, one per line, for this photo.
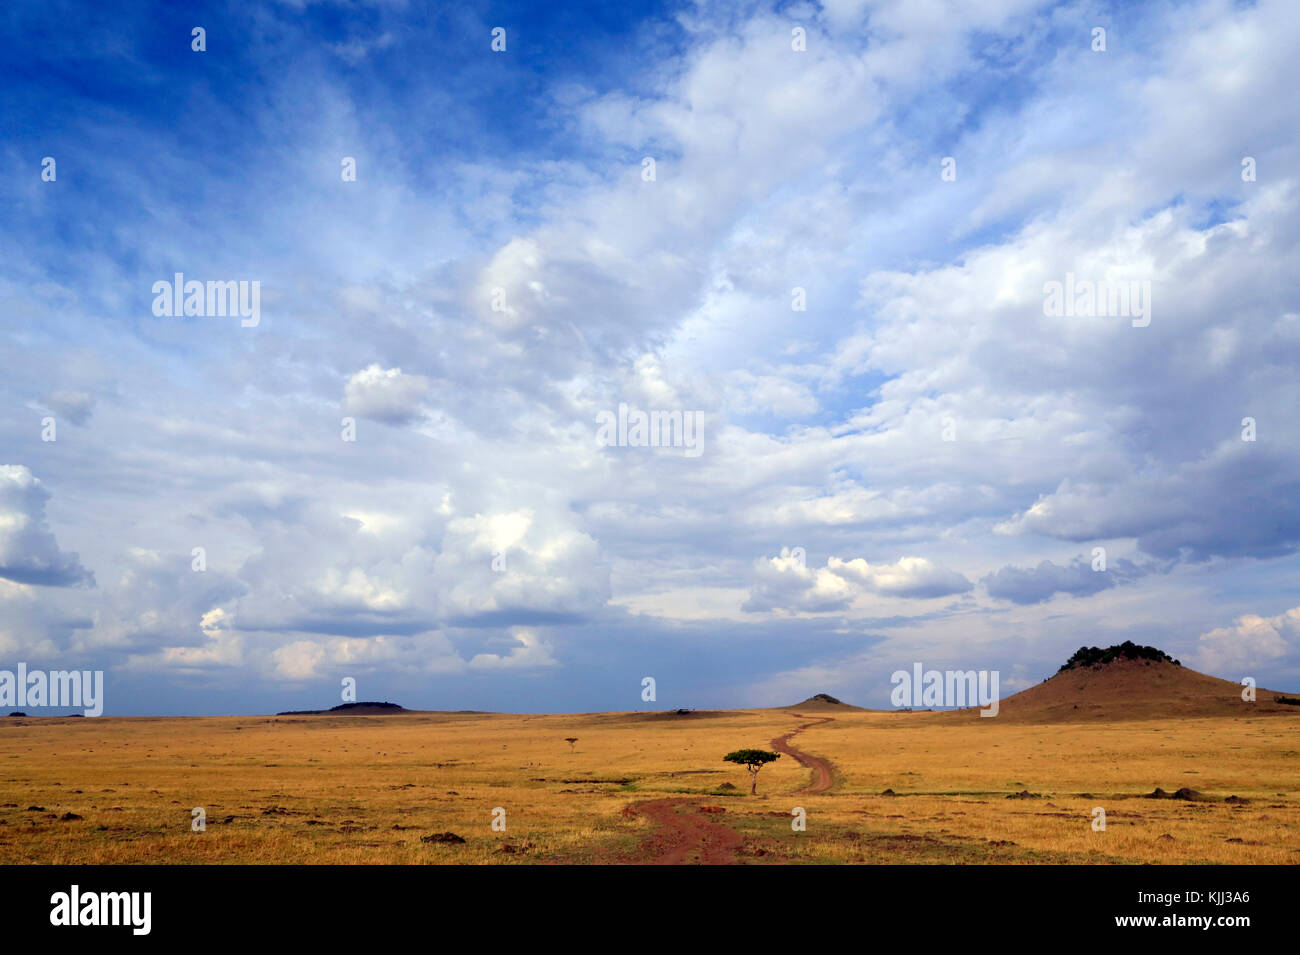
<point x="1184" y="794"/>
<point x="368" y="708"/>
<point x="823" y="702"/>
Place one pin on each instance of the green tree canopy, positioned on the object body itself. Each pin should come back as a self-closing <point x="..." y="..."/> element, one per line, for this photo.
<point x="753" y="760"/>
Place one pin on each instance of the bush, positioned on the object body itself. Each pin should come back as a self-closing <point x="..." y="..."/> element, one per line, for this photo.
<point x="1128" y="650"/>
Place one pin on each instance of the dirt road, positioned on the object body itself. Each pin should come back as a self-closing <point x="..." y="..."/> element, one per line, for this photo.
<point x="823" y="777"/>
<point x="685" y="835"/>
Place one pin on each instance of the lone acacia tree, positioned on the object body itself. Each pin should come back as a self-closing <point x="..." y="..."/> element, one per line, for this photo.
<point x="571" y="740"/>
<point x="753" y="760"/>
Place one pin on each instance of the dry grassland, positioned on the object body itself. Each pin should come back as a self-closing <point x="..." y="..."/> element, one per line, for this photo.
<point x="366" y="789"/>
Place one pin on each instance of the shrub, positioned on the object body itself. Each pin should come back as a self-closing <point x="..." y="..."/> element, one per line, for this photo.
<point x="1128" y="650"/>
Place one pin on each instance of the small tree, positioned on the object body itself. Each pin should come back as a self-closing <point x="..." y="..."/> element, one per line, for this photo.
<point x="753" y="760"/>
<point x="571" y="740"/>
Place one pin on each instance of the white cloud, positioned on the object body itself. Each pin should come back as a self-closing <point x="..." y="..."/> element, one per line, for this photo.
<point x="385" y="395"/>
<point x="907" y="577"/>
<point x="29" y="553"/>
<point x="1252" y="643"/>
<point x="784" y="583"/>
<point x="531" y="652"/>
<point x="299" y="660"/>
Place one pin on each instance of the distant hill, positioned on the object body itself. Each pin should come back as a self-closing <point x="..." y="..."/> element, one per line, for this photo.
<point x="1130" y="682"/>
<point x="369" y="708"/>
<point x="823" y="703"/>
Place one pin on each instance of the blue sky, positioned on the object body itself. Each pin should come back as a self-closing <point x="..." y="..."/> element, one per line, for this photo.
<point x="919" y="466"/>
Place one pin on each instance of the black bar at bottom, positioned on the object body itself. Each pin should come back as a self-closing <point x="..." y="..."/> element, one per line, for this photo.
<point x="328" y="905"/>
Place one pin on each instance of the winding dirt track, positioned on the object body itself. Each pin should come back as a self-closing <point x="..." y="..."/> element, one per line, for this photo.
<point x="684" y="835"/>
<point x="823" y="777"/>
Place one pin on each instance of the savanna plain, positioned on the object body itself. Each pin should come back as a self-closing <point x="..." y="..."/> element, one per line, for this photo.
<point x="650" y="787"/>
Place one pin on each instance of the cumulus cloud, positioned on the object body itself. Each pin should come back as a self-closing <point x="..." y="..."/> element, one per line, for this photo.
<point x="781" y="396"/>
<point x="323" y="572"/>
<point x="524" y="565"/>
<point x="529" y="652"/>
<point x="386" y="395"/>
<point x="785" y="583"/>
<point x="158" y="599"/>
<point x="1252" y="642"/>
<point x="29" y="553"/>
<point x="298" y="660"/>
<point x="906" y="577"/>
<point x="34" y="627"/>
<point x="1078" y="579"/>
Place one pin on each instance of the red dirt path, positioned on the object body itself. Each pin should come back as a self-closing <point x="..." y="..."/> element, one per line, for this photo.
<point x="684" y="835"/>
<point x="823" y="778"/>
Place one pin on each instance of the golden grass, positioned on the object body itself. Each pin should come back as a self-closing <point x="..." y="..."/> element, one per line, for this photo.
<point x="342" y="789"/>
